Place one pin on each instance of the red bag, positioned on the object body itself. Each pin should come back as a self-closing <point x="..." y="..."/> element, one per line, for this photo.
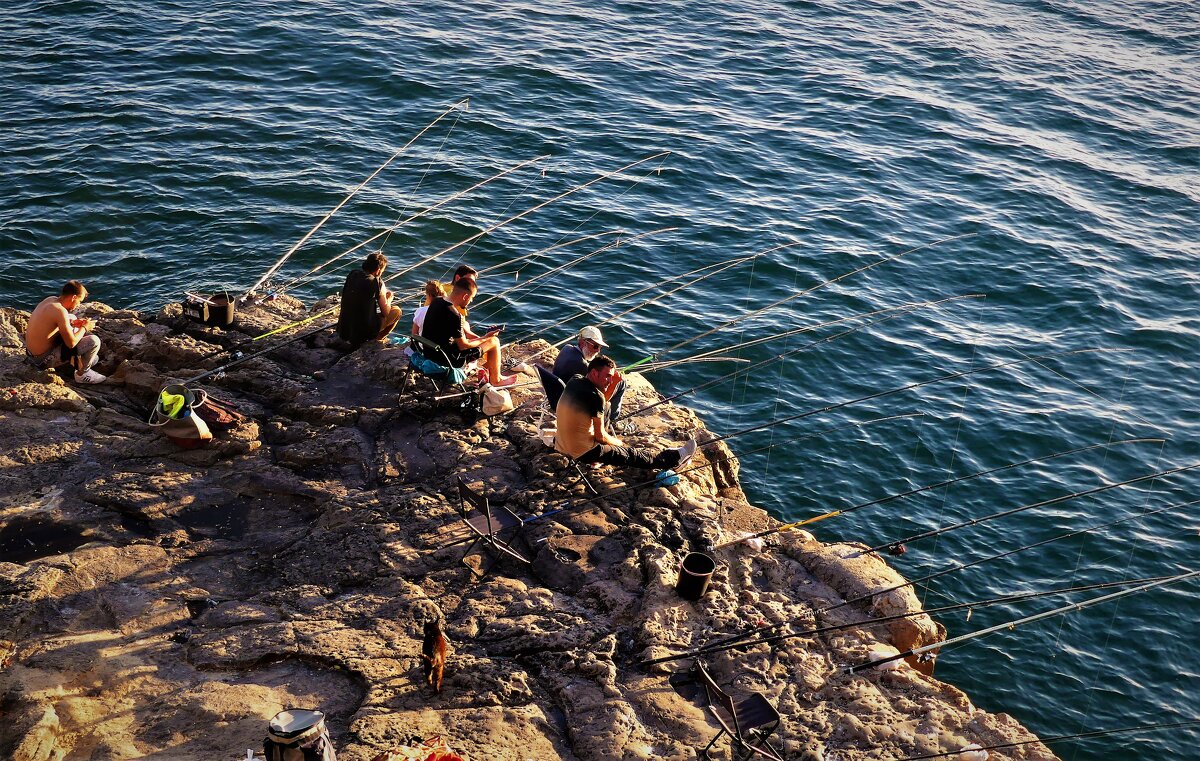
<point x="220" y="416"/>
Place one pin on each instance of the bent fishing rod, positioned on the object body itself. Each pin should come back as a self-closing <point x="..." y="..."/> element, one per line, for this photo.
<point x="1071" y="608"/>
<point x="1057" y="738"/>
<point x="794" y="296"/>
<point x="931" y="487"/>
<point x="530" y="210"/>
<point x="742" y="639"/>
<point x="899" y="543"/>
<point x="1009" y="599"/>
<point x="898" y="312"/>
<point x="271" y="271"/>
<point x="567" y="265"/>
<point x="387" y="231"/>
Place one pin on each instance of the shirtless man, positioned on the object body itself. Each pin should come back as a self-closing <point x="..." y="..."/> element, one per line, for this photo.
<point x="55" y="336"/>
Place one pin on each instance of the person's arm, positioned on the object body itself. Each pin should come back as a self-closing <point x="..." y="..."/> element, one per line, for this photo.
<point x="616" y="380"/>
<point x="463" y="342"/>
<point x="70" y="334"/>
<point x="385" y="298"/>
<point x="601" y="436"/>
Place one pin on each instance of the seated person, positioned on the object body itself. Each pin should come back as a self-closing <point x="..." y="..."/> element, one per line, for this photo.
<point x="573" y="360"/>
<point x="55" y="336"/>
<point x="433" y="290"/>
<point x="446" y="326"/>
<point x="366" y="311"/>
<point x="581" y="434"/>
<point x="463" y="270"/>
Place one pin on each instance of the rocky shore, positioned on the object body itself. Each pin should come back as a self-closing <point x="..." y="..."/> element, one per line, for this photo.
<point x="162" y="603"/>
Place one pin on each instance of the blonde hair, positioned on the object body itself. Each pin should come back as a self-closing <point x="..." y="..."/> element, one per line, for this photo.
<point x="433" y="290"/>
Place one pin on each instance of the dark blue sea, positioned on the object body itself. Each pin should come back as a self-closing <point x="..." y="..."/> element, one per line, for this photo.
<point x="150" y="148"/>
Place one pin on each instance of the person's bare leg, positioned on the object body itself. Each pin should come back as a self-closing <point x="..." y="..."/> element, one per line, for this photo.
<point x="491" y="360"/>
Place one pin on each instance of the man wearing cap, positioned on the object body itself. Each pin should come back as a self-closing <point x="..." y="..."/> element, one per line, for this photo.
<point x="580" y="433"/>
<point x="573" y="360"/>
<point x="55" y="336"/>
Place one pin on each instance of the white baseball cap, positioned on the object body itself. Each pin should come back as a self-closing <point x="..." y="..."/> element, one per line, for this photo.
<point x="593" y="334"/>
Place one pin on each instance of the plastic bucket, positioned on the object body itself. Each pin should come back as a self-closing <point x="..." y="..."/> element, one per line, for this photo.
<point x="695" y="572"/>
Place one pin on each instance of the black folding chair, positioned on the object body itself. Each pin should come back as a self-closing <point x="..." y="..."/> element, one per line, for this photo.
<point x="553" y="387"/>
<point x="488" y="522"/>
<point x="749" y="722"/>
<point x="439" y="382"/>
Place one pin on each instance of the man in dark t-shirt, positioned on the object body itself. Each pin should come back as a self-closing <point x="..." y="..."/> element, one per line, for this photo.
<point x="446" y="326"/>
<point x="580" y="431"/>
<point x="366" y="311"/>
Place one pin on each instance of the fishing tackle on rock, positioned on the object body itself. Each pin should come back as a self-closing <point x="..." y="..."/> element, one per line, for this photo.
<point x="464" y="103"/>
<point x="1008" y="599"/>
<point x="248" y="357"/>
<point x="930" y="487"/>
<point x="549" y="273"/>
<point x="1057" y="738"/>
<point x="387" y="231"/>
<point x="1003" y="513"/>
<point x="904" y="310"/>
<point x="243" y="344"/>
<point x="743" y="639"/>
<point x="530" y="210"/>
<point x="917" y="651"/>
<point x="794" y="296"/>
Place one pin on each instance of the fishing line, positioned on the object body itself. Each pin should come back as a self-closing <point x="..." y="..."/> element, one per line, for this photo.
<point x="1043" y="503"/>
<point x="898" y="312"/>
<point x="1008" y="599"/>
<point x="275" y="267"/>
<point x="311" y="274"/>
<point x="530" y="210"/>
<point x="953" y="641"/>
<point x="1057" y="738"/>
<point x="958" y="479"/>
<point x="721" y="644"/>
<point x="406" y="202"/>
<point x="1074" y="382"/>
<point x="805" y="292"/>
<point x="549" y="273"/>
<point x="516" y="197"/>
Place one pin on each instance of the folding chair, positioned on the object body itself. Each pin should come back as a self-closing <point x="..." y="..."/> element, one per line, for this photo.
<point x="488" y="522"/>
<point x="441" y="380"/>
<point x="553" y="387"/>
<point x="749" y="722"/>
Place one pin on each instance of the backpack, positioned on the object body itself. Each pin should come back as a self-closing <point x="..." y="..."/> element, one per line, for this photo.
<point x="298" y="735"/>
<point x="220" y="415"/>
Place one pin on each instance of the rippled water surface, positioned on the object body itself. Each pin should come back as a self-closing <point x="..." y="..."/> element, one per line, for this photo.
<point x="1049" y="152"/>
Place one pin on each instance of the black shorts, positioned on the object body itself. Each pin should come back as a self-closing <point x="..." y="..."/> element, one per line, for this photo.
<point x="460" y="357"/>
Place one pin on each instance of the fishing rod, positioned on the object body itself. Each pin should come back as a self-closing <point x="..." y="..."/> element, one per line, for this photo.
<point x="1077" y="736"/>
<point x="636" y="292"/>
<point x="496" y="226"/>
<point x="819" y="630"/>
<point x="271" y="271"/>
<point x="794" y="296"/>
<point x="940" y="484"/>
<point x="738" y="640"/>
<point x="615" y="244"/>
<point x="308" y="275"/>
<point x="248" y="357"/>
<point x="712" y="461"/>
<point x="899" y="543"/>
<point x="903" y="311"/>
<point x="917" y="651"/>
<point x="548" y="249"/>
<point x="242" y="344"/>
<point x="912" y="305"/>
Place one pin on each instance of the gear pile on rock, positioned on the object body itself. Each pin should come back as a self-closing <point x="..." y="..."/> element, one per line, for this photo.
<point x="166" y="603"/>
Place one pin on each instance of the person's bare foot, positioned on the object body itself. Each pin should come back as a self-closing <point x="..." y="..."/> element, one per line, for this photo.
<point x="505" y="380"/>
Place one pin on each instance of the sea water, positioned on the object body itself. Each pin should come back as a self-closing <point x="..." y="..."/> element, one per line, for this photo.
<point x="155" y="147"/>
